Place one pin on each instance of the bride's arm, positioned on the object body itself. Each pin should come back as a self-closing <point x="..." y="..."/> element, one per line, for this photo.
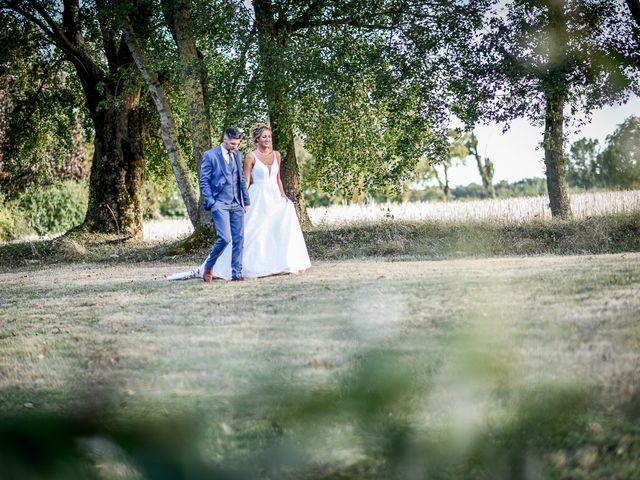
<point x="248" y="166"/>
<point x="280" y="181"/>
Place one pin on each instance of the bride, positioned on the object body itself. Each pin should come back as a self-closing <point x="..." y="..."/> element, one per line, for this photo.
<point x="273" y="241"/>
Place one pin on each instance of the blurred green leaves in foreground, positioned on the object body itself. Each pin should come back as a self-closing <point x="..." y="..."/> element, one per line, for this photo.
<point x="397" y="414"/>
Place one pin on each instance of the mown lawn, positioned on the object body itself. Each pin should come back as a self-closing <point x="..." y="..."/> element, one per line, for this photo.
<point x="518" y="367"/>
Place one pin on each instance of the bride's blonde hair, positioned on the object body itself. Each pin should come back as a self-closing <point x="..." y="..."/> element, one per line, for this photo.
<point x="257" y="129"/>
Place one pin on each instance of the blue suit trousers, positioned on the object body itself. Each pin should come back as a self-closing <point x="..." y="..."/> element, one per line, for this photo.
<point x="229" y="222"/>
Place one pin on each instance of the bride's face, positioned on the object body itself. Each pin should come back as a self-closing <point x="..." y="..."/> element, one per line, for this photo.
<point x="265" y="139"/>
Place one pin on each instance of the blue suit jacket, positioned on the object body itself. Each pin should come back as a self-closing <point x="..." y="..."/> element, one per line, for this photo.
<point x="213" y="179"/>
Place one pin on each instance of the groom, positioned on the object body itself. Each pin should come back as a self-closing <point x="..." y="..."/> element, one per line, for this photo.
<point x="225" y="193"/>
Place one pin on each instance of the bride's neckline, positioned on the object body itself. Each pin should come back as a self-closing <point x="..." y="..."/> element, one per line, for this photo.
<point x="255" y="153"/>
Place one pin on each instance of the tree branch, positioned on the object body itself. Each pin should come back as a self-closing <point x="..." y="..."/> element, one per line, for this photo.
<point x="37" y="14"/>
<point x="59" y="35"/>
<point x="352" y="22"/>
<point x="634" y="6"/>
<point x="70" y="21"/>
<point x="16" y="7"/>
<point x="305" y="17"/>
<point x="302" y="23"/>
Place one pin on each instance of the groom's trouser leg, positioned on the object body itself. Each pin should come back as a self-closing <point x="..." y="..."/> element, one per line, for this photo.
<point x="236" y="219"/>
<point x="223" y="231"/>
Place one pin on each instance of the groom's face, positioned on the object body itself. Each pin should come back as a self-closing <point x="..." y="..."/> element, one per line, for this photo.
<point x="230" y="144"/>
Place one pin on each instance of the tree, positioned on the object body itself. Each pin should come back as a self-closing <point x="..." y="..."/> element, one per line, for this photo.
<point x="582" y="164"/>
<point x="619" y="162"/>
<point x="458" y="153"/>
<point x="616" y="166"/>
<point x="273" y="36"/>
<point x="360" y="79"/>
<point x="194" y="76"/>
<point x="485" y="166"/>
<point x="540" y="58"/>
<point x="88" y="40"/>
<point x="168" y="129"/>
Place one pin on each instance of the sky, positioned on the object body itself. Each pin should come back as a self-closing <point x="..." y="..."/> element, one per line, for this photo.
<point x="515" y="154"/>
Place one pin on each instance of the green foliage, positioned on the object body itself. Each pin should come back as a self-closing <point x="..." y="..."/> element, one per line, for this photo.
<point x="53" y="208"/>
<point x="162" y="200"/>
<point x="617" y="166"/>
<point x="43" y="209"/>
<point x="528" y="187"/>
<point x="370" y="105"/>
<point x="470" y="191"/>
<point x="582" y="164"/>
<point x="41" y="138"/>
<point x="620" y="161"/>
<point x="12" y="222"/>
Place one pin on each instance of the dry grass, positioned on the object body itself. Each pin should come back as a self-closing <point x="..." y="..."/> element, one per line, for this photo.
<point x="507" y="210"/>
<point x="471" y="333"/>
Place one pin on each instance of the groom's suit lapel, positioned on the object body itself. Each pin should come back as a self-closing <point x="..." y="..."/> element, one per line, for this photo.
<point x="220" y="159"/>
<point x="238" y="161"/>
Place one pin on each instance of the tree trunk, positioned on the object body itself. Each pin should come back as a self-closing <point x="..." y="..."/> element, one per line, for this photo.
<point x="283" y="142"/>
<point x="178" y="16"/>
<point x="271" y="42"/>
<point x="444" y="185"/>
<point x="485" y="166"/>
<point x="485" y="169"/>
<point x="447" y="190"/>
<point x="168" y="129"/>
<point x="555" y="92"/>
<point x="487" y="178"/>
<point x="118" y="168"/>
<point x="554" y="158"/>
<point x="117" y="171"/>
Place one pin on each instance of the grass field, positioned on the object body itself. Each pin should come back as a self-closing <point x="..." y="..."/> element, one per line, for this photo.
<point x="518" y="209"/>
<point x="512" y="211"/>
<point x="521" y="367"/>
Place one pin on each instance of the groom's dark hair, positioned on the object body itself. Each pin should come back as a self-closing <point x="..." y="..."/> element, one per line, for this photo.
<point x="233" y="133"/>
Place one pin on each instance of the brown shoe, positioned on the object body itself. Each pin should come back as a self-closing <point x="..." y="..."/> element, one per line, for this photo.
<point x="238" y="279"/>
<point x="206" y="276"/>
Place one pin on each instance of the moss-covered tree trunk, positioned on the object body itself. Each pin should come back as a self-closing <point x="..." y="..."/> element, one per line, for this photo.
<point x="272" y="41"/>
<point x="168" y="129"/>
<point x="555" y="87"/>
<point x="178" y="16"/>
<point x="118" y="167"/>
<point x="554" y="157"/>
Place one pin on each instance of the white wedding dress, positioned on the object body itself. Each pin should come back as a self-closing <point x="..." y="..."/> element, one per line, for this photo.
<point x="273" y="241"/>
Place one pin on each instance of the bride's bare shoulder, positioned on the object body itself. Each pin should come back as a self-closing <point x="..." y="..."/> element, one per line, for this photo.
<point x="250" y="156"/>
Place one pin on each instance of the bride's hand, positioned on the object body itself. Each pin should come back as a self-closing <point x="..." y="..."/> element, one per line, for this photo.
<point x="286" y="199"/>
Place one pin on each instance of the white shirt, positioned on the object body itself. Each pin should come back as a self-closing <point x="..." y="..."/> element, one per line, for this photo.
<point x="226" y="155"/>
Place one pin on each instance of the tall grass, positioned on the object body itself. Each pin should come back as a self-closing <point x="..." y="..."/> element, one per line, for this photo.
<point x="507" y="209"/>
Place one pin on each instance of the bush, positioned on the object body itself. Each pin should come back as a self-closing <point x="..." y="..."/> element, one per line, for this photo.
<point x="12" y="223"/>
<point x="53" y="208"/>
